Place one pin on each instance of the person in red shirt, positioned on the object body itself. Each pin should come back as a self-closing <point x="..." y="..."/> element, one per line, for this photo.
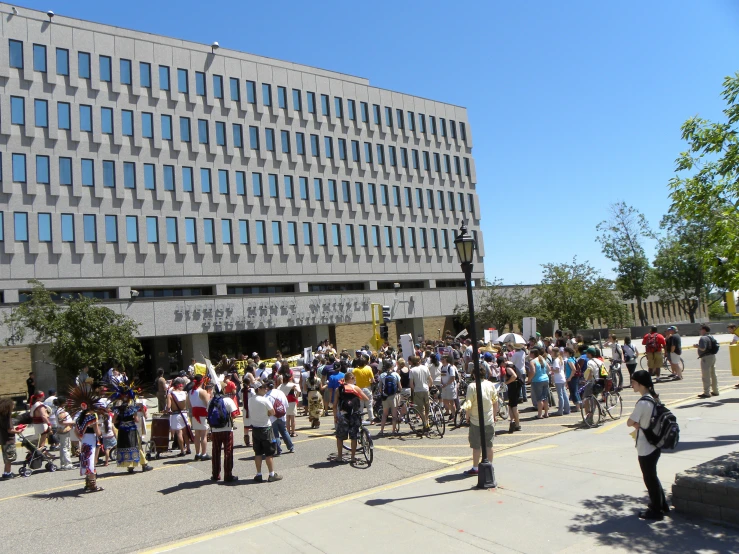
<point x="654" y="344"/>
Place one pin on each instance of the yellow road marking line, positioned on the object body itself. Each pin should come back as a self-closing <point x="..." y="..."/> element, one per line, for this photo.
<point x="437" y="459"/>
<point x="312" y="508"/>
<point x="71" y="485"/>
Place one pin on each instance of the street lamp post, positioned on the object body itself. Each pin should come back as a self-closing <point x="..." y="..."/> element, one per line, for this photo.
<point x="466" y="246"/>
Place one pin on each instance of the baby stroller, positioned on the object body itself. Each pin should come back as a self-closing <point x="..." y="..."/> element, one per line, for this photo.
<point x="35" y="457"/>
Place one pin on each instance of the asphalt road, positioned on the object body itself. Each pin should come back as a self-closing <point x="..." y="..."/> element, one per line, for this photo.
<point x="177" y="500"/>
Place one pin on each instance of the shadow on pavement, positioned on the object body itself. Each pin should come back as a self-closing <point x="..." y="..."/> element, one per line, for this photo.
<point x="451" y="477"/>
<point x="384" y="501"/>
<point x="60" y="495"/>
<point x="613" y="521"/>
<point x="190" y="485"/>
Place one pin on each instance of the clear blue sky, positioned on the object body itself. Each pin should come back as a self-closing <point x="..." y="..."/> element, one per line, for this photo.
<point x="573" y="105"/>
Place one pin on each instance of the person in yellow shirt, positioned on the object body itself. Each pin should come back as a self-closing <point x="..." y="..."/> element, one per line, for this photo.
<point x="489" y="409"/>
<point x="365" y="377"/>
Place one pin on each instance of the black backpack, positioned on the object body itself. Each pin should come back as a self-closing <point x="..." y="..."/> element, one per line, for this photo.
<point x="714" y="346"/>
<point x="663" y="431"/>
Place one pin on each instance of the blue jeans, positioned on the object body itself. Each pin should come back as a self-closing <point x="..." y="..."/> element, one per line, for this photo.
<point x="280" y="430"/>
<point x="574" y="386"/>
<point x="563" y="403"/>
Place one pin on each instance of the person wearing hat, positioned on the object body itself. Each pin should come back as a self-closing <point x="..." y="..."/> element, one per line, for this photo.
<point x="673" y="348"/>
<point x="648" y="454"/>
<point x="265" y="446"/>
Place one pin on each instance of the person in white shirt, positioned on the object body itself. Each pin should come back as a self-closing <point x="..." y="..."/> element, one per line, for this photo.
<point x="420" y="379"/>
<point x="279" y="419"/>
<point x="260" y="412"/>
<point x="560" y="382"/>
<point x="448" y="379"/>
<point x="648" y="454"/>
<point x="434" y="366"/>
<point x="519" y="361"/>
<point x="223" y="436"/>
<point x="64" y="424"/>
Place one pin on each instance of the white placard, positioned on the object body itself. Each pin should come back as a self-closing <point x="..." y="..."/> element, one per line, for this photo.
<point x="529" y="327"/>
<point x="406" y="345"/>
<point x="493" y="334"/>
<point x="488" y="336"/>
<point x="308" y="355"/>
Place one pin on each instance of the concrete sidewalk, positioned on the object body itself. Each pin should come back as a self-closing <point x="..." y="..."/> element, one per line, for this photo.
<point x="575" y="492"/>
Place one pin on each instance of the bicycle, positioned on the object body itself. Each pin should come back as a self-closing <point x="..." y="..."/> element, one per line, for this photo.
<point x="613" y="405"/>
<point x="365" y="445"/>
<point x="644" y="364"/>
<point x="591" y="410"/>
<point x="411" y="417"/>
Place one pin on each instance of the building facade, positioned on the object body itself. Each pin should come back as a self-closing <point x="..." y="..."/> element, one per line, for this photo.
<point x="210" y="193"/>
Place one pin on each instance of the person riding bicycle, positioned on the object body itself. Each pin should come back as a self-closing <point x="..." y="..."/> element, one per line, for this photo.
<point x="596" y="371"/>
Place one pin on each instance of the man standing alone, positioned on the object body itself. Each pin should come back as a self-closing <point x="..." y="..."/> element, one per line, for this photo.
<point x="707" y="348"/>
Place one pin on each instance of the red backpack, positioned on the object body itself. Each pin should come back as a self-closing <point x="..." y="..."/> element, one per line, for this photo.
<point x="279" y="407"/>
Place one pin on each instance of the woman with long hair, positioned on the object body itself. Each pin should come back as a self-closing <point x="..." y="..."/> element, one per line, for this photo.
<point x="560" y="382"/>
<point x="648" y="454"/>
<point x="539" y="381"/>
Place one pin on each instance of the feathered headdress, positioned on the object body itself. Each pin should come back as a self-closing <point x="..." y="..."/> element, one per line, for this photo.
<point x="83" y="398"/>
<point x="119" y="391"/>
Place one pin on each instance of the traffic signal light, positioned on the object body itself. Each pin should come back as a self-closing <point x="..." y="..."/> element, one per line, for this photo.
<point x="386" y="314"/>
<point x="730" y="302"/>
<point x="384" y="333"/>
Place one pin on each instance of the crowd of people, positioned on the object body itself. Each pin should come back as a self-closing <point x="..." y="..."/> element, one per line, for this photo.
<point x="368" y="387"/>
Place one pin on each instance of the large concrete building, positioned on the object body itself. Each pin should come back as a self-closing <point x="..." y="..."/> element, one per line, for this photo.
<point x="226" y="201"/>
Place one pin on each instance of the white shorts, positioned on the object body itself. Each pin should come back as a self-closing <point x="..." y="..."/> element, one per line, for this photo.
<point x="674" y="358"/>
<point x="178" y="421"/>
<point x="292" y="408"/>
<point x="199" y="426"/>
<point x="449" y="393"/>
<point x="40" y="429"/>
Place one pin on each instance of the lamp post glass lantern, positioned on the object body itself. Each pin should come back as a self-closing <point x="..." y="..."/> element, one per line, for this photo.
<point x="466" y="246"/>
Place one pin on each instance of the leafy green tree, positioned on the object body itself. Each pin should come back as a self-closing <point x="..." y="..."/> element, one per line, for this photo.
<point x="621" y="237"/>
<point x="706" y="184"/>
<point x="500" y="306"/>
<point x="575" y="294"/>
<point x="683" y="271"/>
<point x="79" y="330"/>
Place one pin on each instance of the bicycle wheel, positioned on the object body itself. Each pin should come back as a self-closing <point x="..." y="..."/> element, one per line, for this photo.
<point x="590" y="411"/>
<point x="367" y="447"/>
<point x="614" y="405"/>
<point x="502" y="409"/>
<point x="438" y="421"/>
<point x="643" y="363"/>
<point x="460" y="417"/>
<point x="414" y="420"/>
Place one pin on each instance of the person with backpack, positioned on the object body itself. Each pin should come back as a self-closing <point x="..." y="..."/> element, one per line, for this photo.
<point x="631" y="356"/>
<point x="641" y="421"/>
<point x="707" y="349"/>
<point x="654" y="344"/>
<point x="538" y="376"/>
<point x="279" y="419"/>
<point x="390" y="391"/>
<point x="221" y="412"/>
<point x="349" y="416"/>
<point x="260" y="412"/>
